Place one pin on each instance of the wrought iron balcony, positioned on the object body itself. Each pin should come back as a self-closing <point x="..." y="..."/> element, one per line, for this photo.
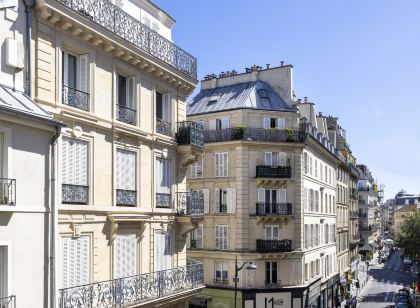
<point x="7" y="192"/>
<point x="114" y="19"/>
<point x="190" y="203"/>
<point x="254" y="134"/>
<point x="163" y="200"/>
<point x="133" y="290"/>
<point x="191" y="133"/>
<point x="75" y="98"/>
<point x="274" y="209"/>
<point x="126" y="115"/>
<point x="220" y="281"/>
<point x="8" y="301"/>
<point x="126" y="197"/>
<point x="274" y="246"/>
<point x="273" y="172"/>
<point x="163" y="127"/>
<point x="75" y="194"/>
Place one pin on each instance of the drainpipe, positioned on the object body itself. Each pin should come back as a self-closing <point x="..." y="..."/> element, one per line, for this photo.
<point x="53" y="210"/>
<point x="29" y="4"/>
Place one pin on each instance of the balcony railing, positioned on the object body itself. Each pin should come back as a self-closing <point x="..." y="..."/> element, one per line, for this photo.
<point x="75" y="98"/>
<point x="126" y="197"/>
<point x="273" y="172"/>
<point x="133" y="290"/>
<point x="7" y="192"/>
<point x="274" y="246"/>
<point x="254" y="134"/>
<point x="190" y="133"/>
<point x="190" y="203"/>
<point x="114" y="19"/>
<point x="363" y="215"/>
<point x="163" y="127"/>
<point x="266" y="209"/>
<point x="8" y="302"/>
<point x="126" y="115"/>
<point x="75" y="194"/>
<point x="163" y="200"/>
<point x="220" y="281"/>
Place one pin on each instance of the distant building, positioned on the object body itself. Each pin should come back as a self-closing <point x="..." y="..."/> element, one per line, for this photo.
<point x="400" y="206"/>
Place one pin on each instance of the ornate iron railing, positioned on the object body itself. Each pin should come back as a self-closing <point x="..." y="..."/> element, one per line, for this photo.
<point x="163" y="200"/>
<point x="274" y="245"/>
<point x="114" y="19"/>
<point x="75" y="194"/>
<point x="8" y="302"/>
<point x="266" y="209"/>
<point x="132" y="290"/>
<point x="273" y="172"/>
<point x="254" y="134"/>
<point x="189" y="132"/>
<point x="190" y="203"/>
<point x="126" y="197"/>
<point x="7" y="192"/>
<point x="126" y="115"/>
<point x="75" y="98"/>
<point x="163" y="127"/>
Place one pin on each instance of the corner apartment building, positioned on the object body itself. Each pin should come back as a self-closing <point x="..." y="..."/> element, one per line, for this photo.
<point x="26" y="131"/>
<point x="112" y="74"/>
<point x="268" y="180"/>
<point x="403" y="204"/>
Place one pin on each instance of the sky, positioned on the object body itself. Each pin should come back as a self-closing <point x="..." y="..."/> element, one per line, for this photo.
<point x="358" y="60"/>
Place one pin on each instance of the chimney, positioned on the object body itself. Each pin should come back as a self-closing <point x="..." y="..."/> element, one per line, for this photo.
<point x="268" y="66"/>
<point x="281" y="63"/>
<point x="305" y="99"/>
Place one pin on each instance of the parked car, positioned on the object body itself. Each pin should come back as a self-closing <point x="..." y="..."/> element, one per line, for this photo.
<point x="407" y="261"/>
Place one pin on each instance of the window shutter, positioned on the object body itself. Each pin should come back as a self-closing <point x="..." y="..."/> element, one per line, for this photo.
<point x="125" y="255"/>
<point x="261" y="195"/>
<point x="305" y="198"/>
<point x="206" y="193"/>
<point x="78" y="154"/>
<point x="212" y="124"/>
<point x="65" y="263"/>
<point x="159" y="248"/>
<point x="166" y="110"/>
<point x="64" y="161"/>
<point x="276" y="232"/>
<point x="158" y="175"/>
<point x="217" y="200"/>
<point x="266" y="123"/>
<point x="131" y="171"/>
<point x="131" y="95"/>
<point x="282" y="159"/>
<point x="225" y="164"/>
<point x="83" y="73"/>
<point x="225" y="123"/>
<point x="281" y="123"/>
<point x="65" y="67"/>
<point x="231" y="200"/>
<point x="217" y="164"/>
<point x="76" y="261"/>
<point x="188" y="243"/>
<point x="119" y="169"/>
<point x="268" y="158"/>
<point x="282" y="195"/>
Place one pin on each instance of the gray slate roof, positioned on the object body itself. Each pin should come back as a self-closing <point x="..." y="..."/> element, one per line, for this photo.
<point x="248" y="95"/>
<point x="13" y="101"/>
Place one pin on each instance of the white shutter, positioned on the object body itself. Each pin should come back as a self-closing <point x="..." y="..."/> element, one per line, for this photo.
<point x="268" y="233"/>
<point x="225" y="123"/>
<point x="282" y="159"/>
<point x="159" y="249"/>
<point x="281" y="195"/>
<point x="281" y="123"/>
<point x="79" y="152"/>
<point x="268" y="158"/>
<point x="125" y="255"/>
<point x="83" y="73"/>
<point x="225" y="164"/>
<point x="231" y="200"/>
<point x="199" y="236"/>
<point x="206" y="193"/>
<point x="212" y="124"/>
<point x="188" y="243"/>
<point x="266" y="123"/>
<point x="75" y="261"/>
<point x="158" y="176"/>
<point x="305" y="198"/>
<point x="65" y="67"/>
<point x="166" y="107"/>
<point x="131" y="92"/>
<point x="119" y="169"/>
<point x="65" y="256"/>
<point x="275" y="232"/>
<point x="64" y="161"/>
<point x="261" y="195"/>
<point x="217" y="200"/>
<point x="217" y="164"/>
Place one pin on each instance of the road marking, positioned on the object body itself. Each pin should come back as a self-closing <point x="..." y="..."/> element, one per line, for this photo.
<point x="387" y="293"/>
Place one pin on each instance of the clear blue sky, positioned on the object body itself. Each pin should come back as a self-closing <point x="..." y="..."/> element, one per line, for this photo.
<point x="358" y="60"/>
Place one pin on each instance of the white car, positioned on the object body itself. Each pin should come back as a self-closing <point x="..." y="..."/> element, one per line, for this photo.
<point x="407" y="261"/>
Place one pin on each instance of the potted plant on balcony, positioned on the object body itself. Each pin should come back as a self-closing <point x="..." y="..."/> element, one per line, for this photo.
<point x="289" y="134"/>
<point x="238" y="132"/>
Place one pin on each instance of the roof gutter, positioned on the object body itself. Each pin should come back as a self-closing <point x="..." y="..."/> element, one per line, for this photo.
<point x="29" y="4"/>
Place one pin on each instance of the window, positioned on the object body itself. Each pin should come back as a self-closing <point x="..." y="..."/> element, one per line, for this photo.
<point x="221" y="164"/>
<point x="74" y="171"/>
<point x="270" y="272"/>
<point x="305" y="199"/>
<point x="275" y="159"/>
<point x="126" y="177"/>
<point x="316" y="168"/>
<point x="221" y="272"/>
<point x="75" y="264"/>
<point x="75" y="80"/>
<point x="221" y="200"/>
<point x="196" y="237"/>
<point x="307" y="236"/>
<point x="163" y="250"/>
<point x="163" y="114"/>
<point x="197" y="168"/>
<point x="221" y="237"/>
<point x="279" y="123"/>
<point x="310" y="165"/>
<point x="163" y="182"/>
<point x="125" y="255"/>
<point x="305" y="162"/>
<point x="272" y="232"/>
<point x="126" y="91"/>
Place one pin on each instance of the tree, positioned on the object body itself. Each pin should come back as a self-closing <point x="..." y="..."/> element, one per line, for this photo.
<point x="409" y="236"/>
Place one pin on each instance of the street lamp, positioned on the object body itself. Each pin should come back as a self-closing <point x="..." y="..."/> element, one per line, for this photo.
<point x="249" y="266"/>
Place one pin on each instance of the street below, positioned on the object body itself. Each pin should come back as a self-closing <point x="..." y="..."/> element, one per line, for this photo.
<point x="384" y="282"/>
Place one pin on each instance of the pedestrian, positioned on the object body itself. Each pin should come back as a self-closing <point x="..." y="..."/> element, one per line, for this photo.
<point x="354" y="302"/>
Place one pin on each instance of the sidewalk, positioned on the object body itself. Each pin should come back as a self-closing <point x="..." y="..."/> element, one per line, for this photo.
<point x="363" y="277"/>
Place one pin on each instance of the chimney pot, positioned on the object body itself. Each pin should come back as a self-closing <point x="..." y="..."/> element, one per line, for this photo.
<point x="305" y="99"/>
<point x="268" y="66"/>
<point x="281" y="63"/>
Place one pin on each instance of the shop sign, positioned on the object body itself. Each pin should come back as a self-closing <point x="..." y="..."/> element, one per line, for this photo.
<point x="273" y="300"/>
